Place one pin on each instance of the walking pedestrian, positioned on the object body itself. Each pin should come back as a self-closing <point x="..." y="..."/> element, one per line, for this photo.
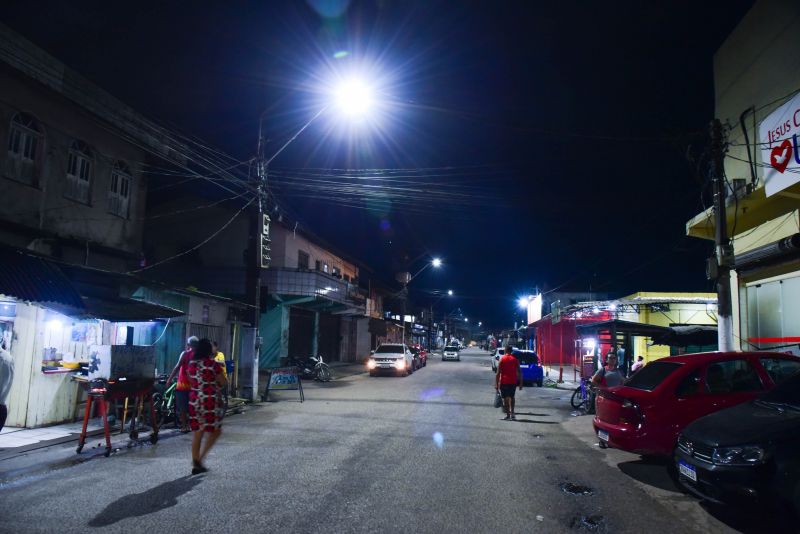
<point x="205" y="403"/>
<point x="183" y="386"/>
<point x="508" y="377"/>
<point x="638" y="364"/>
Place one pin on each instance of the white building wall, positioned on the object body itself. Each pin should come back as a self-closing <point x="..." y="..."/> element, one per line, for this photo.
<point x="757" y="66"/>
<point x="286" y="245"/>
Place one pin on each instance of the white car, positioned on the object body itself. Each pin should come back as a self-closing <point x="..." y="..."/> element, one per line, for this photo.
<point x="391" y="357"/>
<point x="451" y="352"/>
<point x="498" y="353"/>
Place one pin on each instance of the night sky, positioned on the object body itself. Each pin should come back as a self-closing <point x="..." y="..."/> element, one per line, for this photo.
<point x="527" y="144"/>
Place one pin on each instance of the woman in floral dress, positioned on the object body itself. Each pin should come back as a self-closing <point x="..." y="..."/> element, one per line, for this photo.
<point x="205" y="402"/>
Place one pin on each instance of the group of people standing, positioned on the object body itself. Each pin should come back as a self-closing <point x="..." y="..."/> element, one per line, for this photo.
<point x="202" y="378"/>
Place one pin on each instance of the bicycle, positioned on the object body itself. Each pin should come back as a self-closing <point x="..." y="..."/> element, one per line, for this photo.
<point x="164" y="402"/>
<point x="583" y="396"/>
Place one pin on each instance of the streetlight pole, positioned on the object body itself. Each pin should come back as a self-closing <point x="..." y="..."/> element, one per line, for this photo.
<point x="258" y="256"/>
<point x="435" y="262"/>
<point x="430" y="318"/>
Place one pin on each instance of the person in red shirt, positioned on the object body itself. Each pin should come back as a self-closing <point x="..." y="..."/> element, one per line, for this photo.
<point x="508" y="377"/>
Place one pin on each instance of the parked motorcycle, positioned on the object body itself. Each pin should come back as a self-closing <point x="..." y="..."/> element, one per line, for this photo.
<point x="314" y="368"/>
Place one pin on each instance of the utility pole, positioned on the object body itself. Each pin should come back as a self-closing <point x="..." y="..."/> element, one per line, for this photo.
<point x="720" y="266"/>
<point x="430" y="330"/>
<point x="257" y="258"/>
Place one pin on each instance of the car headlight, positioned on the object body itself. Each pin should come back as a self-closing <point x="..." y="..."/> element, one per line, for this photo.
<point x="743" y="455"/>
<point x="400" y="364"/>
<point x="371" y="364"/>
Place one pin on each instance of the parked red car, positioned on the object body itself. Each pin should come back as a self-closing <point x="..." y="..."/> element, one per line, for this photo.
<point x="646" y="414"/>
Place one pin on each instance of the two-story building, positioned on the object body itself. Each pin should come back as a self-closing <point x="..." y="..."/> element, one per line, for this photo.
<point x="72" y="211"/>
<point x="757" y="96"/>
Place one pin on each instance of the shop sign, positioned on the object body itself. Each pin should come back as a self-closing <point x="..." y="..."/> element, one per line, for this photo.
<point x="778" y="136"/>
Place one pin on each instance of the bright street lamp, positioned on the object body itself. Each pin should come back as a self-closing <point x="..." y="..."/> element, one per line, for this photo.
<point x="436" y="262"/>
<point x="449" y="292"/>
<point x="353" y="97"/>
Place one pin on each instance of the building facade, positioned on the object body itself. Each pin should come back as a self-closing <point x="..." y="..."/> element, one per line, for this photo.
<point x="757" y="85"/>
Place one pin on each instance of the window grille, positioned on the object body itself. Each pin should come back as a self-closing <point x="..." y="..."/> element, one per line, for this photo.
<point x="79" y="172"/>
<point x="24" y="148"/>
<point x="119" y="192"/>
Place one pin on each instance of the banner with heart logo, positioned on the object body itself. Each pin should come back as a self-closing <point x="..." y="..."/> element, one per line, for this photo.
<point x="778" y="135"/>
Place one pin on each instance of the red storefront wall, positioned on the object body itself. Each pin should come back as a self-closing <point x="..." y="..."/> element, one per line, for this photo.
<point x="555" y="343"/>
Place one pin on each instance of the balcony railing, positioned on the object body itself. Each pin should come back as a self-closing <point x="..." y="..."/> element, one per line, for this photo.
<point x="301" y="282"/>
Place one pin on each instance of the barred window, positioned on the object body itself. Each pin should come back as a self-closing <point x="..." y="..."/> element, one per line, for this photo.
<point x="24" y="149"/>
<point x="119" y="191"/>
<point x="79" y="172"/>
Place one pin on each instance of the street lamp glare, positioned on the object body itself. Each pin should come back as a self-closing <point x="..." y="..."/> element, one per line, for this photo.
<point x="523" y="302"/>
<point x="436" y="262"/>
<point x="450" y="292"/>
<point x="353" y="97"/>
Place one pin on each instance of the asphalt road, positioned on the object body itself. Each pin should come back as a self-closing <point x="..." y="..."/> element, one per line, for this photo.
<point x="424" y="453"/>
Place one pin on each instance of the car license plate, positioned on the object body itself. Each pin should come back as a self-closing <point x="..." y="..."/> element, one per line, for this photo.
<point x="524" y="366"/>
<point x="688" y="471"/>
<point x="603" y="435"/>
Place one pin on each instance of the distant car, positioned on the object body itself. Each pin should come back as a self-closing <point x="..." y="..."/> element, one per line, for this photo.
<point x="451" y="352"/>
<point x="421" y="353"/>
<point x="532" y="372"/>
<point x="747" y="453"/>
<point x="391" y="358"/>
<point x="646" y="414"/>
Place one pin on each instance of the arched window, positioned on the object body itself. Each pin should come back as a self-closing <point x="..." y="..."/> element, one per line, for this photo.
<point x="119" y="192"/>
<point x="79" y="172"/>
<point x="24" y="149"/>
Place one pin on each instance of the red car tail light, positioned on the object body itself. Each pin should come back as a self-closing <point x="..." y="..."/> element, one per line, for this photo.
<point x="630" y="413"/>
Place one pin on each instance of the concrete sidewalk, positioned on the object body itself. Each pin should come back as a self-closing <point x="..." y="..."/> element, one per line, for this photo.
<point x="25" y="451"/>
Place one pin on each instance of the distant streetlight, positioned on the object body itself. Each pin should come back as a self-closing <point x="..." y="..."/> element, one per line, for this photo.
<point x="450" y="292"/>
<point x="435" y="263"/>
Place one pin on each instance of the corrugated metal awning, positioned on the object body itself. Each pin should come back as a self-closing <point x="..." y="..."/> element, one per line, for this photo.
<point x="120" y="309"/>
<point x="33" y="279"/>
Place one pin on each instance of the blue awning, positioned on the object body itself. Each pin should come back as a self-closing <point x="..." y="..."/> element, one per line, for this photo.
<point x="27" y="277"/>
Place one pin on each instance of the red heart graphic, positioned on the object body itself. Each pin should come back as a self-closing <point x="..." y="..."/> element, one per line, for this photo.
<point x="781" y="156"/>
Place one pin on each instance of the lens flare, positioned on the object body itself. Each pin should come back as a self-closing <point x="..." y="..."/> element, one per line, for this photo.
<point x="438" y="439"/>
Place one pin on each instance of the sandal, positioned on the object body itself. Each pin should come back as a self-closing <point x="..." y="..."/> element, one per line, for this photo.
<point x="198" y="468"/>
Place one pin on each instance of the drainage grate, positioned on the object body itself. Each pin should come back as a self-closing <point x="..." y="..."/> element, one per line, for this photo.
<point x="576" y="489"/>
<point x="592" y="523"/>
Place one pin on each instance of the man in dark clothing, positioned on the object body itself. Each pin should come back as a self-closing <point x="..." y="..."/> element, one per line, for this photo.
<point x="508" y="377"/>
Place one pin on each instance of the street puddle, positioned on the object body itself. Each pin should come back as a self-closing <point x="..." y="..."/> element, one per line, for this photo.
<point x="592" y="523"/>
<point x="576" y="489"/>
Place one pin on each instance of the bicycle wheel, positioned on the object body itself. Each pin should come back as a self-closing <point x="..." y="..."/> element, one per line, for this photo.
<point x="577" y="399"/>
<point x="159" y="409"/>
<point x="324" y="374"/>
